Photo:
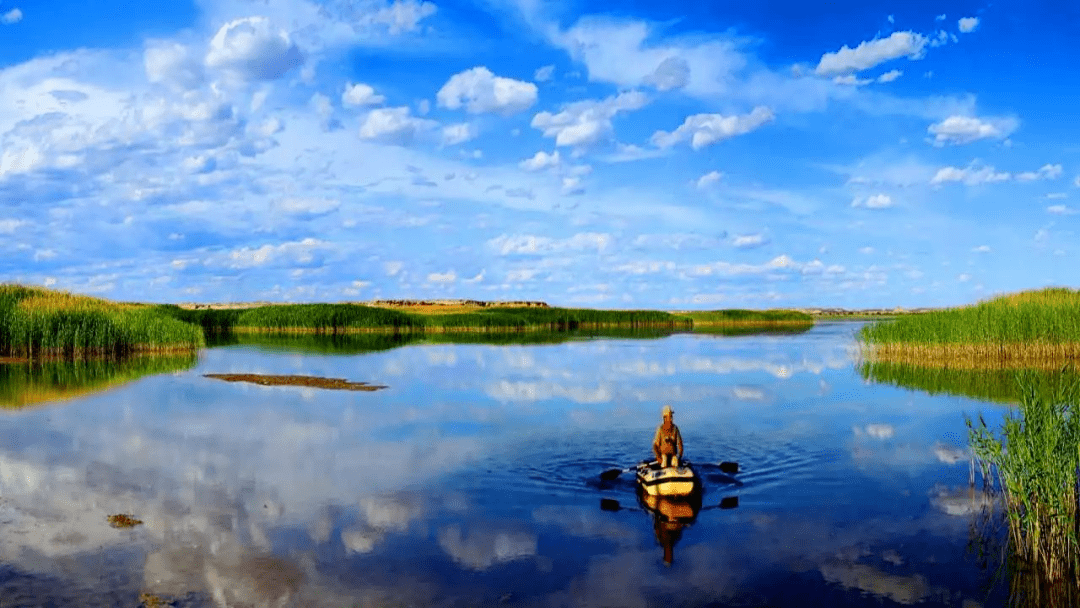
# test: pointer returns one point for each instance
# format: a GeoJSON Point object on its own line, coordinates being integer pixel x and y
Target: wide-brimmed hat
{"type": "Point", "coordinates": [668, 410]}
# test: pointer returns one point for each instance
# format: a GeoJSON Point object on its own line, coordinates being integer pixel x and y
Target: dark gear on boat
{"type": "Point", "coordinates": [667, 444]}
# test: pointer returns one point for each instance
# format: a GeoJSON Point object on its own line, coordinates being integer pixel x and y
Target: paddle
{"type": "Point", "coordinates": [612, 474]}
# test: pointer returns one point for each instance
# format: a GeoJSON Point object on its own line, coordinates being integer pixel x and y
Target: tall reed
{"type": "Point", "coordinates": [1035, 460]}
{"type": "Point", "coordinates": [37, 323]}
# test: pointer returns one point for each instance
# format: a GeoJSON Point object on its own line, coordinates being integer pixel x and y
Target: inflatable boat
{"type": "Point", "coordinates": [669, 481]}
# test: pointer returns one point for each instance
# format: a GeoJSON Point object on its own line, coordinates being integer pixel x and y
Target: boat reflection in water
{"type": "Point", "coordinates": [671, 515]}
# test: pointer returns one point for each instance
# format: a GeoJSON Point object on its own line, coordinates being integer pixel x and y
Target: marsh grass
{"type": "Point", "coordinates": [736, 317]}
{"type": "Point", "coordinates": [1035, 461]}
{"type": "Point", "coordinates": [1016, 330]}
{"type": "Point", "coordinates": [39, 323]}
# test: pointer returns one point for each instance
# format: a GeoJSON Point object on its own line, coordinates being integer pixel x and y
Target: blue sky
{"type": "Point", "coordinates": [677, 155]}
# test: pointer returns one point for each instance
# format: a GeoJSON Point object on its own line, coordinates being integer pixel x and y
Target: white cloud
{"type": "Point", "coordinates": [392, 268]}
{"type": "Point", "coordinates": [584, 123]}
{"type": "Point", "coordinates": [393, 125]}
{"type": "Point", "coordinates": [1060, 210]}
{"type": "Point", "coordinates": [172, 64]}
{"type": "Point", "coordinates": [307, 206]}
{"type": "Point", "coordinates": [866, 250]}
{"type": "Point", "coordinates": [966, 129]}
{"type": "Point", "coordinates": [707, 129]}
{"type": "Point", "coordinates": [360, 95]}
{"type": "Point", "coordinates": [852, 80]}
{"type": "Point", "coordinates": [940, 17]}
{"type": "Point", "coordinates": [479, 91]}
{"type": "Point", "coordinates": [404, 16]}
{"type": "Point", "coordinates": [890, 76]}
{"type": "Point", "coordinates": [971, 175]}
{"type": "Point", "coordinates": [967, 24]}
{"type": "Point", "coordinates": [749, 241]}
{"type": "Point", "coordinates": [476, 279]}
{"type": "Point", "coordinates": [876, 201]}
{"type": "Point", "coordinates": [458, 133]}
{"type": "Point", "coordinates": [540, 160]}
{"type": "Point", "coordinates": [672, 73]}
{"type": "Point", "coordinates": [871, 53]}
{"type": "Point", "coordinates": [13, 16]}
{"type": "Point", "coordinates": [963, 277]}
{"type": "Point", "coordinates": [251, 257]}
{"type": "Point", "coordinates": [544, 74]}
{"type": "Point", "coordinates": [1056, 195]}
{"type": "Point", "coordinates": [709, 179]}
{"type": "Point", "coordinates": [252, 49]}
{"type": "Point", "coordinates": [527, 244]}
{"type": "Point", "coordinates": [445, 277]}
{"type": "Point", "coordinates": [9, 226]}
{"type": "Point", "coordinates": [572, 185]}
{"type": "Point", "coordinates": [981, 249]}
{"type": "Point", "coordinates": [1076, 181]}
{"type": "Point", "coordinates": [629, 152]}
{"type": "Point", "coordinates": [1044, 172]}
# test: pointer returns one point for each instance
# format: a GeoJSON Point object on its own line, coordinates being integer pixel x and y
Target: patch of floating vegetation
{"type": "Point", "coordinates": [1024, 330]}
{"type": "Point", "coordinates": [306, 381]}
{"type": "Point", "coordinates": [1034, 462]}
{"type": "Point", "coordinates": [25, 383]}
{"type": "Point", "coordinates": [40, 323]}
{"type": "Point", "coordinates": [123, 520]}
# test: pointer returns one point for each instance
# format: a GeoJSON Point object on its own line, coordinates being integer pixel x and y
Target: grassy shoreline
{"type": "Point", "coordinates": [42, 324]}
{"type": "Point", "coordinates": [1032, 328]}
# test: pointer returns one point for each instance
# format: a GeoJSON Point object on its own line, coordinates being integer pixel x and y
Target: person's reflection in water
{"type": "Point", "coordinates": [670, 517]}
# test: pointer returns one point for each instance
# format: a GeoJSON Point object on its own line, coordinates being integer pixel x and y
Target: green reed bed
{"type": "Point", "coordinates": [38, 323]}
{"type": "Point", "coordinates": [1035, 460]}
{"type": "Point", "coordinates": [325, 317]}
{"type": "Point", "coordinates": [1043, 324]}
{"type": "Point", "coordinates": [736, 316]}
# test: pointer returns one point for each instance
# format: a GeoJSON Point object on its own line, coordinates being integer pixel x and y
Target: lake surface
{"type": "Point", "coordinates": [472, 480]}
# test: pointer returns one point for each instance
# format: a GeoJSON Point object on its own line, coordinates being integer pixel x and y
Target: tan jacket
{"type": "Point", "coordinates": [668, 441]}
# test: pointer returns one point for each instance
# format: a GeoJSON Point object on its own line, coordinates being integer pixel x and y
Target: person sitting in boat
{"type": "Point", "coordinates": [667, 444]}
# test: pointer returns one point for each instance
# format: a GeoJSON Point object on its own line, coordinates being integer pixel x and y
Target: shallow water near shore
{"type": "Point", "coordinates": [473, 480]}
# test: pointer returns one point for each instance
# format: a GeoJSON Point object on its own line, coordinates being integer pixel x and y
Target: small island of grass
{"type": "Point", "coordinates": [1030, 329]}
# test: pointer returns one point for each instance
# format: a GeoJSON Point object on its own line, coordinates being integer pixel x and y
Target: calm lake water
{"type": "Point", "coordinates": [472, 480]}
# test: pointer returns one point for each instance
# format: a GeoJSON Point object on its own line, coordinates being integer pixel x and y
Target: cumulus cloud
{"type": "Point", "coordinates": [302, 252]}
{"type": "Point", "coordinates": [540, 160]}
{"type": "Point", "coordinates": [442, 277]}
{"type": "Point", "coordinates": [392, 267]}
{"type": "Point", "coordinates": [890, 76]}
{"type": "Point", "coordinates": [876, 201]}
{"type": "Point", "coordinates": [360, 95]}
{"type": "Point", "coordinates": [967, 24]}
{"type": "Point", "coordinates": [479, 91]}
{"type": "Point", "coordinates": [1044, 172]}
{"type": "Point", "coordinates": [527, 244]}
{"type": "Point", "coordinates": [252, 49]}
{"type": "Point", "coordinates": [404, 16]}
{"type": "Point", "coordinates": [172, 64]}
{"type": "Point", "coordinates": [13, 16]}
{"type": "Point", "coordinates": [585, 123]}
{"type": "Point", "coordinates": [572, 185]}
{"type": "Point", "coordinates": [458, 133]}
{"type": "Point", "coordinates": [749, 241]}
{"type": "Point", "coordinates": [966, 129]}
{"type": "Point", "coordinates": [544, 74]}
{"type": "Point", "coordinates": [1060, 210]}
{"type": "Point", "coordinates": [981, 249]}
{"type": "Point", "coordinates": [9, 226]}
{"type": "Point", "coordinates": [706, 129]}
{"type": "Point", "coordinates": [672, 73]}
{"type": "Point", "coordinates": [971, 175]}
{"type": "Point", "coordinates": [393, 125]}
{"type": "Point", "coordinates": [871, 53]}
{"type": "Point", "coordinates": [709, 179]}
